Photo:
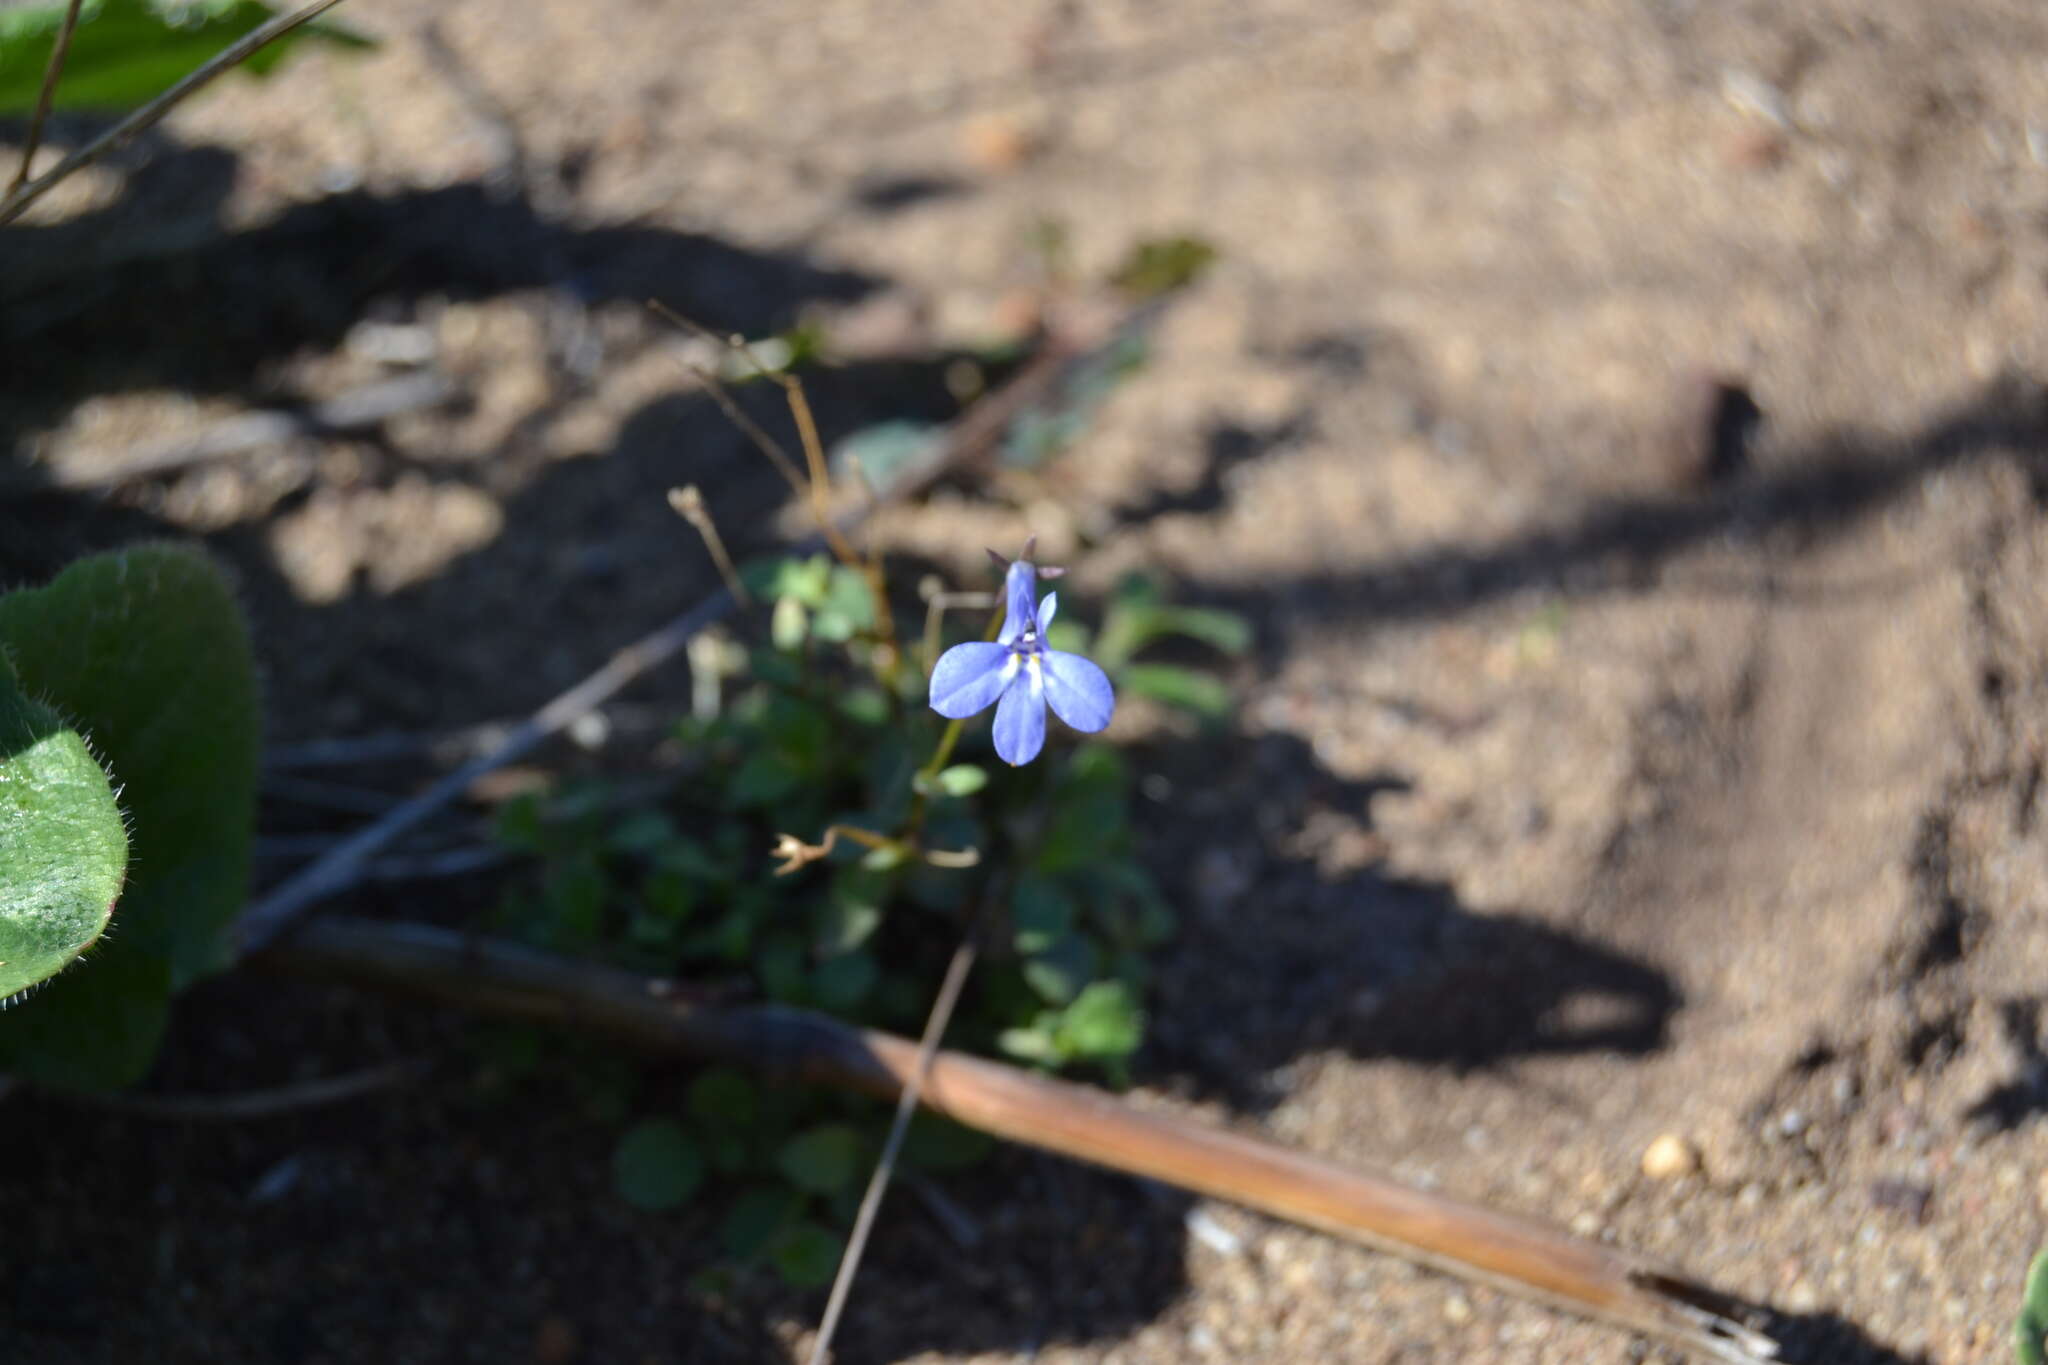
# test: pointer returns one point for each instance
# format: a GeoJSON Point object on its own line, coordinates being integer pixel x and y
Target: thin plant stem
{"type": "Point", "coordinates": [944, 751]}
{"type": "Point", "coordinates": [807, 489]}
{"type": "Point", "coordinates": [59, 50]}
{"type": "Point", "coordinates": [17, 200]}
{"type": "Point", "coordinates": [906, 1105]}
{"type": "Point", "coordinates": [766, 444]}
{"type": "Point", "coordinates": [816, 489]}
{"type": "Point", "coordinates": [689, 505]}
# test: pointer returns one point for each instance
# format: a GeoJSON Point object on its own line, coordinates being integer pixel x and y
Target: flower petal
{"type": "Point", "coordinates": [969, 677]}
{"type": "Point", "coordinates": [1047, 609]}
{"type": "Point", "coordinates": [1019, 583]}
{"type": "Point", "coordinates": [1079, 691]}
{"type": "Point", "coordinates": [1020, 723]}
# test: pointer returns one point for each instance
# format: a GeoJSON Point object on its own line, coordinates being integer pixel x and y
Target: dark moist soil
{"type": "Point", "coordinates": [1622, 421]}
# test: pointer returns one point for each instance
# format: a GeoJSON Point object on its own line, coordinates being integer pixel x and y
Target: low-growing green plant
{"type": "Point", "coordinates": [814, 730]}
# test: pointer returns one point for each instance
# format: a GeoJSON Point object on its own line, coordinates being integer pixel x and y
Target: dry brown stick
{"type": "Point", "coordinates": [59, 50]}
{"type": "Point", "coordinates": [1514, 1254]}
{"type": "Point", "coordinates": [20, 197]}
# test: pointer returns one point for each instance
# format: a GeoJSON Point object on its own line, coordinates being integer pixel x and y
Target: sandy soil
{"type": "Point", "coordinates": [1623, 420]}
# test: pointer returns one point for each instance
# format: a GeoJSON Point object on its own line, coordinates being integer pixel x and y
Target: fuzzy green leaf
{"type": "Point", "coordinates": [63, 851]}
{"type": "Point", "coordinates": [2030, 1333]}
{"type": "Point", "coordinates": [145, 650]}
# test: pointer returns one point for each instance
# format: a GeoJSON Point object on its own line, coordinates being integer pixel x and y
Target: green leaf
{"type": "Point", "coordinates": [757, 1218]}
{"type": "Point", "coordinates": [1103, 1023]}
{"type": "Point", "coordinates": [853, 911]}
{"type": "Point", "coordinates": [803, 579]}
{"type": "Point", "coordinates": [643, 832]}
{"type": "Point", "coordinates": [1164, 265]}
{"type": "Point", "coordinates": [1223, 631]}
{"type": "Point", "coordinates": [851, 597]}
{"type": "Point", "coordinates": [962, 779]}
{"type": "Point", "coordinates": [519, 825]}
{"type": "Point", "coordinates": [63, 851]}
{"type": "Point", "coordinates": [94, 1028]}
{"type": "Point", "coordinates": [824, 1159]}
{"type": "Point", "coordinates": [1070, 636]}
{"type": "Point", "coordinates": [780, 967]}
{"type": "Point", "coordinates": [1200, 693]}
{"type": "Point", "coordinates": [1138, 615]}
{"type": "Point", "coordinates": [145, 651]}
{"type": "Point", "coordinates": [1059, 971]}
{"type": "Point", "coordinates": [576, 893]}
{"type": "Point", "coordinates": [127, 52]}
{"type": "Point", "coordinates": [788, 624]}
{"type": "Point", "coordinates": [656, 1166]}
{"type": "Point", "coordinates": [867, 705]}
{"type": "Point", "coordinates": [939, 1144]}
{"type": "Point", "coordinates": [720, 1098]}
{"type": "Point", "coordinates": [1035, 1044]}
{"type": "Point", "coordinates": [2030, 1332]}
{"type": "Point", "coordinates": [669, 895]}
{"type": "Point", "coordinates": [1040, 912]}
{"type": "Point", "coordinates": [807, 1255]}
{"type": "Point", "coordinates": [840, 983]}
{"type": "Point", "coordinates": [886, 450]}
{"type": "Point", "coordinates": [763, 779]}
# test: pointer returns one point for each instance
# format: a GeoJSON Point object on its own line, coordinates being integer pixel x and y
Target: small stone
{"type": "Point", "coordinates": [1457, 1310]}
{"type": "Point", "coordinates": [996, 143]}
{"type": "Point", "coordinates": [1586, 1224]}
{"type": "Point", "coordinates": [1670, 1157]}
{"type": "Point", "coordinates": [1801, 1298]}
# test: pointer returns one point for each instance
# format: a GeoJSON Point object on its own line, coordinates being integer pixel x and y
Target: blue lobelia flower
{"type": "Point", "coordinates": [1020, 675]}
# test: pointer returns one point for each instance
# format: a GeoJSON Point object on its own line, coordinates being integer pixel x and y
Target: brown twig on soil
{"type": "Point", "coordinates": [1517, 1255]}
{"type": "Point", "coordinates": [264, 920]}
{"type": "Point", "coordinates": [258, 1104]}
{"type": "Point", "coordinates": [17, 200]}
{"type": "Point", "coordinates": [59, 50]}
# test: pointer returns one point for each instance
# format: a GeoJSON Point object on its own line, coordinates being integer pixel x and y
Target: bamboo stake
{"type": "Point", "coordinates": [1517, 1255]}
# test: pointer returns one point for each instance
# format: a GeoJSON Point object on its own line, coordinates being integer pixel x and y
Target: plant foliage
{"type": "Point", "coordinates": [146, 654]}
{"type": "Point", "coordinates": [127, 52]}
